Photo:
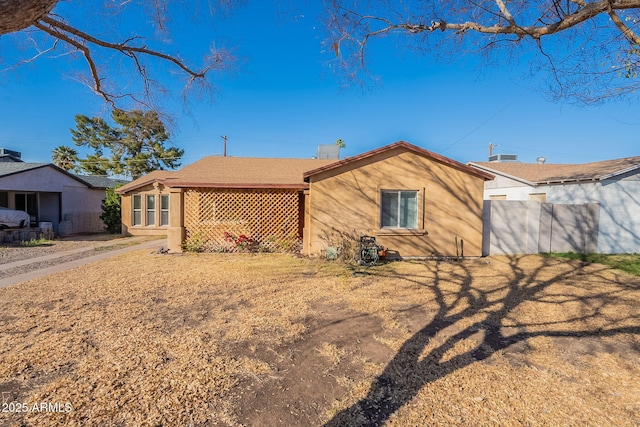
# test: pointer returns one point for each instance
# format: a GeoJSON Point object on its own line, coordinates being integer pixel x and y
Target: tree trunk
{"type": "Point", "coordinates": [16, 15]}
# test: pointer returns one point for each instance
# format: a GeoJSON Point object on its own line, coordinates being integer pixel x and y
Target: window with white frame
{"type": "Point", "coordinates": [164, 209]}
{"type": "Point", "coordinates": [399, 209]}
{"type": "Point", "coordinates": [137, 209]}
{"type": "Point", "coordinates": [151, 209]}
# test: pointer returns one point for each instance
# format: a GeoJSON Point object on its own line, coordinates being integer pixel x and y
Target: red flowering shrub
{"type": "Point", "coordinates": [241, 242]}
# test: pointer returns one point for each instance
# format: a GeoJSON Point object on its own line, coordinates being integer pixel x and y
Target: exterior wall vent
{"type": "Point", "coordinates": [503, 158]}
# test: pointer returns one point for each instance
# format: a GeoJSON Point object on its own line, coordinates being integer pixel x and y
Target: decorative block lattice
{"type": "Point", "coordinates": [216, 219]}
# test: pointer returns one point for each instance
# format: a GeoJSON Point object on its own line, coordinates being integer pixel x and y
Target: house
{"type": "Point", "coordinates": [198, 204]}
{"type": "Point", "coordinates": [611, 188]}
{"type": "Point", "coordinates": [417, 203]}
{"type": "Point", "coordinates": [49, 194]}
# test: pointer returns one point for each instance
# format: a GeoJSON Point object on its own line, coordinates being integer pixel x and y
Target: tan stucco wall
{"type": "Point", "coordinates": [176, 231]}
{"type": "Point", "coordinates": [125, 212]}
{"type": "Point", "coordinates": [144, 229]}
{"type": "Point", "coordinates": [348, 199]}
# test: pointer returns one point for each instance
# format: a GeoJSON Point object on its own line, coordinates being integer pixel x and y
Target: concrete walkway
{"type": "Point", "coordinates": [34, 274]}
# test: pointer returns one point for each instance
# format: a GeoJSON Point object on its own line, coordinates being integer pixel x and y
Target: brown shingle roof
{"type": "Point", "coordinates": [544, 173]}
{"type": "Point", "coordinates": [234, 172]}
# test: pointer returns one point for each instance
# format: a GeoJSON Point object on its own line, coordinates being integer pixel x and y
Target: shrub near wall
{"type": "Point", "coordinates": [111, 212]}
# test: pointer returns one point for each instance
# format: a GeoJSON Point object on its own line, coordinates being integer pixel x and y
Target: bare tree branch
{"type": "Point", "coordinates": [505, 12]}
{"type": "Point", "coordinates": [625, 30]}
{"type": "Point", "coordinates": [585, 13]}
{"type": "Point", "coordinates": [596, 36]}
{"type": "Point", "coordinates": [87, 55]}
{"type": "Point", "coordinates": [37, 17]}
{"type": "Point", "coordinates": [36, 56]}
{"type": "Point", "coordinates": [122, 47]}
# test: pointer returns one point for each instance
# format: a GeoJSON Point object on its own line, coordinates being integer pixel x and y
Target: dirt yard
{"type": "Point", "coordinates": [269, 340]}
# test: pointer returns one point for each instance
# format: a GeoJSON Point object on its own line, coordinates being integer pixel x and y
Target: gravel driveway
{"type": "Point", "coordinates": [16, 259]}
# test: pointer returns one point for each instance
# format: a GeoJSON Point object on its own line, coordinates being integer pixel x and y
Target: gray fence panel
{"type": "Point", "coordinates": [486, 228]}
{"type": "Point", "coordinates": [567, 233]}
{"type": "Point", "coordinates": [508, 227]}
{"type": "Point", "coordinates": [574, 228]}
{"type": "Point", "coordinates": [525, 227]}
{"type": "Point", "coordinates": [591, 241]}
{"type": "Point", "coordinates": [546, 223]}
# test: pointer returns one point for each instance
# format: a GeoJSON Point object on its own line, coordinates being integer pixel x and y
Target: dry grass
{"type": "Point", "coordinates": [332, 352]}
{"type": "Point", "coordinates": [202, 339]}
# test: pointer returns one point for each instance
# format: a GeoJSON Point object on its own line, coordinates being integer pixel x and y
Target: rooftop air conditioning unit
{"type": "Point", "coordinates": [5, 152]}
{"type": "Point", "coordinates": [328, 151]}
{"type": "Point", "coordinates": [503, 158]}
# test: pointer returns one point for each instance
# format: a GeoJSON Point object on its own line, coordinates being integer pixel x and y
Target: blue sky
{"type": "Point", "coordinates": [281, 99]}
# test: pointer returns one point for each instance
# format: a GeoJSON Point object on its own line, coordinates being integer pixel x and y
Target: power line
{"type": "Point", "coordinates": [486, 121]}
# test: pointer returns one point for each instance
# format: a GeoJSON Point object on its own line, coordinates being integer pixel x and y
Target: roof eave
{"type": "Point", "coordinates": [620, 172]}
{"type": "Point", "coordinates": [191, 184]}
{"type": "Point", "coordinates": [124, 189]}
{"type": "Point", "coordinates": [567, 181]}
{"type": "Point", "coordinates": [221, 185]}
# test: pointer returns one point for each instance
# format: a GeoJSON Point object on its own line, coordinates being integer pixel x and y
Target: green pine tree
{"type": "Point", "coordinates": [136, 145]}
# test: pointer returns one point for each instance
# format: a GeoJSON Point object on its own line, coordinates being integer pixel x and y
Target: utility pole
{"type": "Point", "coordinates": [491, 147]}
{"type": "Point", "coordinates": [224, 147]}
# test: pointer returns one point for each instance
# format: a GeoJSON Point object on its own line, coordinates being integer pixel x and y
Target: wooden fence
{"type": "Point", "coordinates": [237, 220]}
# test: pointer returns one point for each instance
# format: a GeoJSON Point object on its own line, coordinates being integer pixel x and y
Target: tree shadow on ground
{"type": "Point", "coordinates": [488, 316]}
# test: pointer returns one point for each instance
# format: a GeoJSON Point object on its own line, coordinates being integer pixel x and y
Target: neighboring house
{"type": "Point", "coordinates": [614, 185]}
{"type": "Point", "coordinates": [71, 203]}
{"type": "Point", "coordinates": [84, 217]}
{"type": "Point", "coordinates": [417, 203]}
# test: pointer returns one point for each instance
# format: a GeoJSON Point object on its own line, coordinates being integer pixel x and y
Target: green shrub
{"type": "Point", "coordinates": [195, 243]}
{"type": "Point", "coordinates": [112, 212]}
{"type": "Point", "coordinates": [36, 242]}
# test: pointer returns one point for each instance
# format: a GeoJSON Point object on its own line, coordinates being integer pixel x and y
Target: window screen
{"type": "Point", "coordinates": [399, 209]}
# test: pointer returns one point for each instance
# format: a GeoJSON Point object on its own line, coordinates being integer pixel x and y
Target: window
{"type": "Point", "coordinates": [151, 209]}
{"type": "Point", "coordinates": [27, 202]}
{"type": "Point", "coordinates": [538, 197]}
{"type": "Point", "coordinates": [137, 209]}
{"type": "Point", "coordinates": [498, 197]}
{"type": "Point", "coordinates": [164, 210]}
{"type": "Point", "coordinates": [399, 209]}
